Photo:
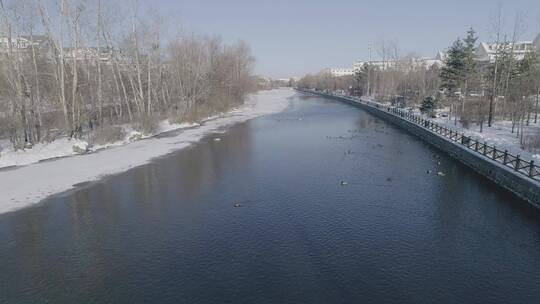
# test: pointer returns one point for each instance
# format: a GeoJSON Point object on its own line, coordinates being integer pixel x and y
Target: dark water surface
{"type": "Point", "coordinates": [167, 232]}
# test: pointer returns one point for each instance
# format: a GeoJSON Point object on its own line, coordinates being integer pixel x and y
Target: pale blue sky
{"type": "Point", "coordinates": [291, 38]}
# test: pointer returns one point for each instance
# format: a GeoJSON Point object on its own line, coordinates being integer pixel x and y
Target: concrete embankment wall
{"type": "Point", "coordinates": [522, 186]}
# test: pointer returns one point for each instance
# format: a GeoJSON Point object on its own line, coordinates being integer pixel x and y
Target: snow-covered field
{"type": "Point", "coordinates": [28, 185]}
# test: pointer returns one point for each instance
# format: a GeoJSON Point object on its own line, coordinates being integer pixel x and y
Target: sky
{"type": "Point", "coordinates": [295, 37]}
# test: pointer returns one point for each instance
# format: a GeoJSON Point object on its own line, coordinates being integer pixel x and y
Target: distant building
{"type": "Point", "coordinates": [380, 64]}
{"type": "Point", "coordinates": [340, 72]}
{"type": "Point", "coordinates": [105, 55]}
{"type": "Point", "coordinates": [24, 44]}
{"type": "Point", "coordinates": [41, 44]}
{"type": "Point", "coordinates": [403, 63]}
{"type": "Point", "coordinates": [488, 51]}
{"type": "Point", "coordinates": [89, 53]}
{"type": "Point", "coordinates": [441, 56]}
{"type": "Point", "coordinates": [294, 78]}
{"type": "Point", "coordinates": [430, 62]}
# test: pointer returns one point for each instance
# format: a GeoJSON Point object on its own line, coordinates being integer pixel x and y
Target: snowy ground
{"type": "Point", "coordinates": [27, 185]}
{"type": "Point", "coordinates": [499, 135]}
{"type": "Point", "coordinates": [63, 147]}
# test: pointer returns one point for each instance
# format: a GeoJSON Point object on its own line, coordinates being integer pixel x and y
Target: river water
{"type": "Point", "coordinates": [322, 203]}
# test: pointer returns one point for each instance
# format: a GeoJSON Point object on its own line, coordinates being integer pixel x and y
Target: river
{"type": "Point", "coordinates": [321, 203]}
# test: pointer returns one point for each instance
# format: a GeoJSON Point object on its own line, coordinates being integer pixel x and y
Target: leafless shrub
{"type": "Point", "coordinates": [106, 134]}
{"type": "Point", "coordinates": [531, 143]}
{"type": "Point", "coordinates": [147, 125]}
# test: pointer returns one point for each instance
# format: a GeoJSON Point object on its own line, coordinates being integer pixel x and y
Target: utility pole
{"type": "Point", "coordinates": [369, 70]}
{"type": "Point", "coordinates": [536, 107]}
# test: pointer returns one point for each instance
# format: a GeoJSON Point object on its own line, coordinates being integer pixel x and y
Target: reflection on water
{"type": "Point", "coordinates": [393, 231]}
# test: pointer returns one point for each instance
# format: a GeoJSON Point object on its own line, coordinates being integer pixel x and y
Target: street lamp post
{"type": "Point", "coordinates": [369, 71]}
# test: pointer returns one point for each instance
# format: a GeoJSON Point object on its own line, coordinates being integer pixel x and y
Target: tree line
{"type": "Point", "coordinates": [77, 68]}
{"type": "Point", "coordinates": [507, 87]}
{"type": "Point", "coordinates": [403, 78]}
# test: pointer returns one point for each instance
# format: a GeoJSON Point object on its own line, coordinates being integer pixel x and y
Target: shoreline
{"type": "Point", "coordinates": [27, 185]}
{"type": "Point", "coordinates": [515, 181]}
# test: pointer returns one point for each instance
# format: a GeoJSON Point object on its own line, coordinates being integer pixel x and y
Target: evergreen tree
{"type": "Point", "coordinates": [453, 73]}
{"type": "Point", "coordinates": [454, 70]}
{"type": "Point", "coordinates": [526, 67]}
{"type": "Point", "coordinates": [428, 105]}
{"type": "Point", "coordinates": [358, 77]}
{"type": "Point", "coordinates": [470, 66]}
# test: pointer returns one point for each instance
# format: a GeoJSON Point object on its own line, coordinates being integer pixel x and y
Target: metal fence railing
{"type": "Point", "coordinates": [514, 162]}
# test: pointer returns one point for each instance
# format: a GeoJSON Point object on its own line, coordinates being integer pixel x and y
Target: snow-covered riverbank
{"type": "Point", "coordinates": [28, 185]}
{"type": "Point", "coordinates": [64, 147]}
{"type": "Point", "coordinates": [499, 135]}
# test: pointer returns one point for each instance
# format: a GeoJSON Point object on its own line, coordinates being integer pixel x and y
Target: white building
{"type": "Point", "coordinates": [104, 55]}
{"type": "Point", "coordinates": [429, 62]}
{"type": "Point", "coordinates": [485, 52]}
{"type": "Point", "coordinates": [441, 56]}
{"type": "Point", "coordinates": [382, 65]}
{"type": "Point", "coordinates": [488, 51]}
{"type": "Point", "coordinates": [23, 43]}
{"type": "Point", "coordinates": [403, 64]}
{"type": "Point", "coordinates": [340, 72]}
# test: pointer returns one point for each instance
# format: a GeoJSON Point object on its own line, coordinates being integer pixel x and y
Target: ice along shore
{"type": "Point", "coordinates": [25, 186]}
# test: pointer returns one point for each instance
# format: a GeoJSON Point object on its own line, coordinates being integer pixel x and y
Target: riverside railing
{"type": "Point", "coordinates": [514, 162]}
